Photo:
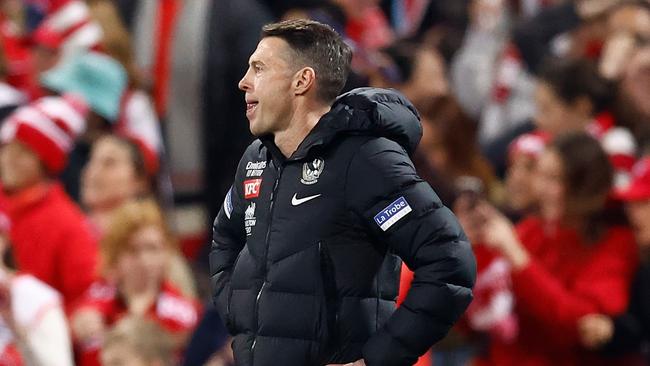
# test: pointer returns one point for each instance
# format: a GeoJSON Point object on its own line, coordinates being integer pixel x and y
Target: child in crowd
{"type": "Point", "coordinates": [136, 341]}
{"type": "Point", "coordinates": [135, 254]}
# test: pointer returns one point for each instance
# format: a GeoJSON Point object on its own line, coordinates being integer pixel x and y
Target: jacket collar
{"type": "Point", "coordinates": [362, 111]}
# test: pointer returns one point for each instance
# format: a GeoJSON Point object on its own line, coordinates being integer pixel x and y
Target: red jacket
{"type": "Point", "coordinates": [565, 280]}
{"type": "Point", "coordinates": [52, 240]}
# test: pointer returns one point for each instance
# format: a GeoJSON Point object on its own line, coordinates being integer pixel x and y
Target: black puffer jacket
{"type": "Point", "coordinates": [305, 261]}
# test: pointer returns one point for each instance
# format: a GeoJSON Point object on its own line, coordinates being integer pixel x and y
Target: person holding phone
{"type": "Point", "coordinates": [570, 260]}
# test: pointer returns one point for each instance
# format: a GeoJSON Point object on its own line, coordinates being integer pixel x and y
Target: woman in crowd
{"type": "Point", "coordinates": [569, 261]}
{"type": "Point", "coordinates": [523, 155]}
{"type": "Point", "coordinates": [117, 172]}
{"type": "Point", "coordinates": [491, 312]}
{"type": "Point", "coordinates": [629, 333]}
{"type": "Point", "coordinates": [135, 254]}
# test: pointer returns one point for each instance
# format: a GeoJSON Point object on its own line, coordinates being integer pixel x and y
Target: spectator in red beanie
{"type": "Point", "coordinates": [569, 261]}
{"type": "Point", "coordinates": [50, 235]}
{"type": "Point", "coordinates": [65, 32]}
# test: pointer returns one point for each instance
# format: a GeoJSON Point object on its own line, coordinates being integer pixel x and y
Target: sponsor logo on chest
{"type": "Point", "coordinates": [249, 218]}
{"type": "Point", "coordinates": [252, 188]}
{"type": "Point", "coordinates": [255, 169]}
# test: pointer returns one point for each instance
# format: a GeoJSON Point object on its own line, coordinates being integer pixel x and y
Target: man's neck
{"type": "Point", "coordinates": [302, 122]}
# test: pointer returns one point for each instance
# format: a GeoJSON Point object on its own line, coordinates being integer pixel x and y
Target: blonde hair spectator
{"type": "Point", "coordinates": [127, 220]}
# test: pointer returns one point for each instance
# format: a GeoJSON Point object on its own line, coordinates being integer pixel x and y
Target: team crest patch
{"type": "Point", "coordinates": [392, 213]}
{"type": "Point", "coordinates": [252, 188]}
{"type": "Point", "coordinates": [312, 171]}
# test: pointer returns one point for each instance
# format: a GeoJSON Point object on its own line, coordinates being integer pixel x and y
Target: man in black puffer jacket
{"type": "Point", "coordinates": [305, 259]}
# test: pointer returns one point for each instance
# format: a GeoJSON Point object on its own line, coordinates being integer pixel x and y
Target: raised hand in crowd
{"type": "Point", "coordinates": [499, 234]}
{"type": "Point", "coordinates": [595, 330]}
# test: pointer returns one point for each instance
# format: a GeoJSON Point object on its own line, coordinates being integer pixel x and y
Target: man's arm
{"type": "Point", "coordinates": [228, 239]}
{"type": "Point", "coordinates": [403, 212]}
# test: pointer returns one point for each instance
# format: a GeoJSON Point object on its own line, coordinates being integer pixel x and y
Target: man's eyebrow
{"type": "Point", "coordinates": [256, 63]}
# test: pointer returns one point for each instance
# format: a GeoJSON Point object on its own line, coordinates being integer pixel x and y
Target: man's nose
{"type": "Point", "coordinates": [244, 84]}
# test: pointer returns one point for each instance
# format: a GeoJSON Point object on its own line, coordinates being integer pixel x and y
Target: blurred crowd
{"type": "Point", "coordinates": [121, 127]}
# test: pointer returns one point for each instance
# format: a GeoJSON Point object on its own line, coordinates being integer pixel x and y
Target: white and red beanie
{"type": "Point", "coordinates": [619, 144]}
{"type": "Point", "coordinates": [529, 144]}
{"type": "Point", "coordinates": [70, 29]}
{"type": "Point", "coordinates": [139, 124]}
{"type": "Point", "coordinates": [49, 126]}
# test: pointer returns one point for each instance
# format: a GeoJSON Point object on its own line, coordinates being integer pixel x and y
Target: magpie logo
{"type": "Point", "coordinates": [312, 171]}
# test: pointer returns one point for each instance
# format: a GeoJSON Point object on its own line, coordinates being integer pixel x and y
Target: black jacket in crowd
{"type": "Point", "coordinates": [632, 329]}
{"type": "Point", "coordinates": [305, 255]}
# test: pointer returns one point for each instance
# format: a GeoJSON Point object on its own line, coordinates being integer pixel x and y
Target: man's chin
{"type": "Point", "coordinates": [256, 131]}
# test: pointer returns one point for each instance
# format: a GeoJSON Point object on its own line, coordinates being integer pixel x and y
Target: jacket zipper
{"type": "Point", "coordinates": [266, 255]}
{"type": "Point", "coordinates": [331, 297]}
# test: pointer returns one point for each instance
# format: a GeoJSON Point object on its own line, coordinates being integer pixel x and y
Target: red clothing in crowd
{"type": "Point", "coordinates": [52, 240]}
{"type": "Point", "coordinates": [172, 311]}
{"type": "Point", "coordinates": [492, 310]}
{"type": "Point", "coordinates": [566, 279]}
{"type": "Point", "coordinates": [16, 54]}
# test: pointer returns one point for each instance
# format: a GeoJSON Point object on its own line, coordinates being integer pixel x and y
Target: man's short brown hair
{"type": "Point", "coordinates": [318, 46]}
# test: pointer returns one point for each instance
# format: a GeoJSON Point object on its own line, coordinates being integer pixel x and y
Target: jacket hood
{"type": "Point", "coordinates": [367, 112]}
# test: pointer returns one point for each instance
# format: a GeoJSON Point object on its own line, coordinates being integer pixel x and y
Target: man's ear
{"type": "Point", "coordinates": [304, 80]}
